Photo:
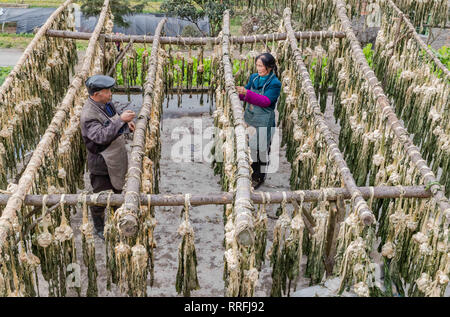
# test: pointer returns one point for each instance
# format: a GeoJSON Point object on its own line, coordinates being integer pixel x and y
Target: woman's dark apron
{"type": "Point", "coordinates": [263, 119]}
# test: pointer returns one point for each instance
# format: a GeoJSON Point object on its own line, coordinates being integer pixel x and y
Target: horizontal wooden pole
{"type": "Point", "coordinates": [223, 198]}
{"type": "Point", "coordinates": [193, 90]}
{"type": "Point", "coordinates": [197, 40]}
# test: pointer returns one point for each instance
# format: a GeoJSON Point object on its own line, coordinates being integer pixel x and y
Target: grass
{"type": "Point", "coordinates": [235, 25]}
{"type": "Point", "coordinates": [4, 71]}
{"type": "Point", "coordinates": [21, 41]}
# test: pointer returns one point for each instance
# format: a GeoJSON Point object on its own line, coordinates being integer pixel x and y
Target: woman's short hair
{"type": "Point", "coordinates": [268, 61]}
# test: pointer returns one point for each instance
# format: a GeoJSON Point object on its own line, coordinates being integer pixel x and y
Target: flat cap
{"type": "Point", "coordinates": [99, 82]}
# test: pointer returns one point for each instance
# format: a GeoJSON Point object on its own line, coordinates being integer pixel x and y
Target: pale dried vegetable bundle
{"type": "Point", "coordinates": [187, 279]}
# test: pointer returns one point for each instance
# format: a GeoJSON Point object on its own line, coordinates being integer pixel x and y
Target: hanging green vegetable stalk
{"type": "Point", "coordinates": [428, 254]}
{"type": "Point", "coordinates": [277, 253]}
{"type": "Point", "coordinates": [87, 239]}
{"type": "Point", "coordinates": [47, 250]}
{"type": "Point", "coordinates": [32, 90]}
{"type": "Point", "coordinates": [144, 66]}
{"type": "Point", "coordinates": [28, 270]}
{"type": "Point", "coordinates": [71, 151]}
{"type": "Point", "coordinates": [431, 12]}
{"type": "Point", "coordinates": [64, 236]}
{"type": "Point", "coordinates": [139, 270]}
{"type": "Point", "coordinates": [232, 272]}
{"type": "Point", "coordinates": [187, 279]}
{"type": "Point", "coordinates": [294, 247]}
{"type": "Point", "coordinates": [110, 47]}
{"type": "Point", "coordinates": [261, 233]}
{"type": "Point", "coordinates": [315, 15]}
{"type": "Point", "coordinates": [122, 253]}
{"type": "Point", "coordinates": [149, 237]}
{"type": "Point", "coordinates": [421, 94]}
{"type": "Point", "coordinates": [111, 233]}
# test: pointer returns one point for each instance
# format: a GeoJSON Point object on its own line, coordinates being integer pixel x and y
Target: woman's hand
{"type": "Point", "coordinates": [241, 90]}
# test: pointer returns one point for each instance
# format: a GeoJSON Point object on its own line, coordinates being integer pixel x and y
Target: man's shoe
{"type": "Point", "coordinates": [99, 234]}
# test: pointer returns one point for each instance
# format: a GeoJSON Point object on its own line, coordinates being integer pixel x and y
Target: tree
{"type": "Point", "coordinates": [194, 10]}
{"type": "Point", "coordinates": [119, 9]}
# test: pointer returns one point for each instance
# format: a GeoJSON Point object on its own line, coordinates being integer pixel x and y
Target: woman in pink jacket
{"type": "Point", "coordinates": [260, 95]}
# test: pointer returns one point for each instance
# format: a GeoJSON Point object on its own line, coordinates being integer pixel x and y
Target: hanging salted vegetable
{"type": "Point", "coordinates": [47, 250]}
{"type": "Point", "coordinates": [420, 93]}
{"type": "Point", "coordinates": [110, 47]}
{"type": "Point", "coordinates": [189, 72]}
{"type": "Point", "coordinates": [32, 90]}
{"type": "Point", "coordinates": [380, 158]}
{"type": "Point", "coordinates": [277, 252]}
{"type": "Point", "coordinates": [144, 66]}
{"type": "Point", "coordinates": [200, 73]}
{"type": "Point", "coordinates": [111, 234]}
{"type": "Point", "coordinates": [187, 279]}
{"type": "Point", "coordinates": [294, 246]}
{"type": "Point", "coordinates": [87, 239]}
{"type": "Point", "coordinates": [431, 12]}
{"type": "Point", "coordinates": [261, 233]}
{"type": "Point", "coordinates": [64, 236]}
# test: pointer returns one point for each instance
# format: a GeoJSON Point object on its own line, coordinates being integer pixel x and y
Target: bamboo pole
{"type": "Point", "coordinates": [412, 31]}
{"type": "Point", "coordinates": [26, 181]}
{"type": "Point", "coordinates": [359, 205]}
{"type": "Point", "coordinates": [128, 222]}
{"type": "Point", "coordinates": [242, 205]}
{"type": "Point", "coordinates": [312, 35]}
{"type": "Point", "coordinates": [223, 198]}
{"type": "Point", "coordinates": [26, 54]}
{"type": "Point", "coordinates": [383, 103]}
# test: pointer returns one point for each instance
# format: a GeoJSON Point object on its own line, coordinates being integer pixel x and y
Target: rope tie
{"type": "Point", "coordinates": [108, 200]}
{"type": "Point", "coordinates": [268, 197]}
{"type": "Point", "coordinates": [263, 197]}
{"type": "Point", "coordinates": [372, 194]}
{"type": "Point", "coordinates": [134, 167]}
{"type": "Point", "coordinates": [402, 190]}
{"type": "Point", "coordinates": [283, 203]}
{"type": "Point", "coordinates": [44, 205]}
{"type": "Point", "coordinates": [187, 205]}
{"type": "Point", "coordinates": [149, 201]}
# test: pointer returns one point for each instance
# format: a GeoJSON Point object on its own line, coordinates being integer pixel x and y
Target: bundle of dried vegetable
{"type": "Point", "coordinates": [33, 89]}
{"type": "Point", "coordinates": [369, 127]}
{"type": "Point", "coordinates": [431, 12]}
{"type": "Point", "coordinates": [87, 240]}
{"type": "Point", "coordinates": [187, 279]}
{"type": "Point", "coordinates": [421, 95]}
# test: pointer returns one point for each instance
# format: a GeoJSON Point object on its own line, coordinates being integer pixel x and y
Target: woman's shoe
{"type": "Point", "coordinates": [257, 183]}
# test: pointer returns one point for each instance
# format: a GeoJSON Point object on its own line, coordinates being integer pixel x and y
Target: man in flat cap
{"type": "Point", "coordinates": [102, 129]}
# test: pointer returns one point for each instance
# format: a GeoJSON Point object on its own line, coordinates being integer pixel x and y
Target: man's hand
{"type": "Point", "coordinates": [241, 90]}
{"type": "Point", "coordinates": [132, 126]}
{"type": "Point", "coordinates": [127, 115]}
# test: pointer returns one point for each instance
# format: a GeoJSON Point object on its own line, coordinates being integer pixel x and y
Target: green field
{"type": "Point", "coordinates": [4, 71]}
